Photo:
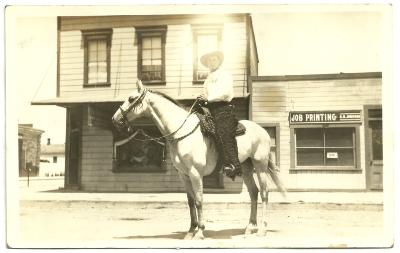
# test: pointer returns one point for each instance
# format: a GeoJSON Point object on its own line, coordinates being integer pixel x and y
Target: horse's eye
{"type": "Point", "coordinates": [131, 99]}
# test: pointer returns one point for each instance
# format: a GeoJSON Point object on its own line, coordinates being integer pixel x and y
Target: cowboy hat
{"type": "Point", "coordinates": [217, 53]}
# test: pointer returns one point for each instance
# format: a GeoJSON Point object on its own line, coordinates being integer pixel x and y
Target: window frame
{"type": "Point", "coordinates": [277, 139]}
{"type": "Point", "coordinates": [149, 31]}
{"type": "Point", "coordinates": [356, 145]}
{"type": "Point", "coordinates": [213, 29]}
{"type": "Point", "coordinates": [88, 35]}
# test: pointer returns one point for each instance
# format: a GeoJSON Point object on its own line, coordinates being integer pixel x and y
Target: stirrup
{"type": "Point", "coordinates": [230, 171]}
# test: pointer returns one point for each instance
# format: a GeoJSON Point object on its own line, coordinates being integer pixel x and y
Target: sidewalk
{"type": "Point", "coordinates": [27, 194]}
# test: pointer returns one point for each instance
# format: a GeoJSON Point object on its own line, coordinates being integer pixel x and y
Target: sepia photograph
{"type": "Point", "coordinates": [199, 126]}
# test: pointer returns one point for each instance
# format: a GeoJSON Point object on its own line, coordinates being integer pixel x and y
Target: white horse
{"type": "Point", "coordinates": [195, 156]}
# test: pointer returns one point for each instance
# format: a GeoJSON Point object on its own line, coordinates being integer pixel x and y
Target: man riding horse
{"type": "Point", "coordinates": [194, 156]}
{"type": "Point", "coordinates": [217, 97]}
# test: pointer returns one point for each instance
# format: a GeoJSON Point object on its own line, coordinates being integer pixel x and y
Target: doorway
{"type": "Point", "coordinates": [373, 147]}
{"type": "Point", "coordinates": [73, 147]}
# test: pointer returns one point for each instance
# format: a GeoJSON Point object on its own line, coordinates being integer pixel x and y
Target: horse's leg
{"type": "Point", "coordinates": [248, 179]}
{"type": "Point", "coordinates": [260, 168]}
{"type": "Point", "coordinates": [190, 196]}
{"type": "Point", "coordinates": [197, 184]}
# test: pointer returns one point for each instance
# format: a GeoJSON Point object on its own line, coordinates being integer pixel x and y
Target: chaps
{"type": "Point", "coordinates": [225, 124]}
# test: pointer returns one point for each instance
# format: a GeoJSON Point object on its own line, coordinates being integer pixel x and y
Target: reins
{"type": "Point", "coordinates": [166, 136]}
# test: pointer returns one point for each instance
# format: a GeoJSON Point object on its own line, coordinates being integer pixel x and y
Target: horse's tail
{"type": "Point", "coordinates": [273, 172]}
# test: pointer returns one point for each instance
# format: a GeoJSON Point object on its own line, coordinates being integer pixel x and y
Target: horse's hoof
{"type": "Point", "coordinates": [262, 231]}
{"type": "Point", "coordinates": [189, 236]}
{"type": "Point", "coordinates": [250, 229]}
{"type": "Point", "coordinates": [199, 235]}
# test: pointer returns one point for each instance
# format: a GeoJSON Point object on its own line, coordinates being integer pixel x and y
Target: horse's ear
{"type": "Point", "coordinates": [139, 85]}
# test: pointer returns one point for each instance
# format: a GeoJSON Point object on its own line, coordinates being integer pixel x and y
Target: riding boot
{"type": "Point", "coordinates": [225, 126]}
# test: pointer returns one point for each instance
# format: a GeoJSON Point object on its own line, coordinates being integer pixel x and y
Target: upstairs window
{"type": "Point", "coordinates": [97, 46]}
{"type": "Point", "coordinates": [205, 40]}
{"type": "Point", "coordinates": [151, 54]}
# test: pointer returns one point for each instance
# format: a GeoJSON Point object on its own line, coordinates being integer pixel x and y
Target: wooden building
{"type": "Point", "coordinates": [99, 60]}
{"type": "Point", "coordinates": [328, 128]}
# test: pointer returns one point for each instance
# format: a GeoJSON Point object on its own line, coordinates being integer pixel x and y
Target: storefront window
{"type": "Point", "coordinates": [137, 153]}
{"type": "Point", "coordinates": [325, 146]}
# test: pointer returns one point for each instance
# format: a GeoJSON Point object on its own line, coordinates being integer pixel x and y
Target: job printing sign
{"type": "Point", "coordinates": [325, 117]}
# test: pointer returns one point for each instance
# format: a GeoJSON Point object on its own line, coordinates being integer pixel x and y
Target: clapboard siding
{"type": "Point", "coordinates": [273, 100]}
{"type": "Point", "coordinates": [99, 22]}
{"type": "Point", "coordinates": [178, 52]}
{"type": "Point", "coordinates": [97, 138]}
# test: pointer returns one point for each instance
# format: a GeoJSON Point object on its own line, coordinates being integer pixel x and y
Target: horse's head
{"type": "Point", "coordinates": [134, 107]}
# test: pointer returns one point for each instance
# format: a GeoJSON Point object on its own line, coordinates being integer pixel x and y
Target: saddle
{"type": "Point", "coordinates": [207, 124]}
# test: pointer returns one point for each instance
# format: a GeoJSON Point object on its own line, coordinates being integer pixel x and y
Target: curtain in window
{"type": "Point", "coordinates": [97, 61]}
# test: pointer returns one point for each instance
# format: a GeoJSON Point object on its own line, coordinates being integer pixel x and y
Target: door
{"type": "Point", "coordinates": [74, 133]}
{"type": "Point", "coordinates": [374, 148]}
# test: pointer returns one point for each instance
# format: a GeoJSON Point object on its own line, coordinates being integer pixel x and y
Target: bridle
{"type": "Point", "coordinates": [139, 101]}
{"type": "Point", "coordinates": [133, 105]}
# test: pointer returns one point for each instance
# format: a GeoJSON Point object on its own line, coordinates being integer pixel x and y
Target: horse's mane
{"type": "Point", "coordinates": [168, 98]}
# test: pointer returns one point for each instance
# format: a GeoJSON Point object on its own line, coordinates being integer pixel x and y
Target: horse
{"type": "Point", "coordinates": [195, 156]}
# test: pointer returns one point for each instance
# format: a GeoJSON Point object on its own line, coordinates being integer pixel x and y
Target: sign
{"type": "Point", "coordinates": [332, 155]}
{"type": "Point", "coordinates": [325, 117]}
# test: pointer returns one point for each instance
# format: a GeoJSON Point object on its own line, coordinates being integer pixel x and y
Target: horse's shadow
{"type": "Point", "coordinates": [211, 234]}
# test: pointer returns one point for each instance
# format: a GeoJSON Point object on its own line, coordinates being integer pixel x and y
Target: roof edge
{"type": "Point", "coordinates": [361, 75]}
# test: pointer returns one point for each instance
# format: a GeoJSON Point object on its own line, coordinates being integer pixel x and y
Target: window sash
{"type": "Point", "coordinates": [211, 37]}
{"type": "Point", "coordinates": [317, 155]}
{"type": "Point", "coordinates": [97, 61]}
{"type": "Point", "coordinates": [151, 54]}
{"type": "Point", "coordinates": [97, 47]}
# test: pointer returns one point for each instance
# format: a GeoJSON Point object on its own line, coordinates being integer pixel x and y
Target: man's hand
{"type": "Point", "coordinates": [202, 101]}
{"type": "Point", "coordinates": [201, 98]}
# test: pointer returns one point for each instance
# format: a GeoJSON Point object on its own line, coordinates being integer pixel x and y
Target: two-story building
{"type": "Point", "coordinates": [99, 60]}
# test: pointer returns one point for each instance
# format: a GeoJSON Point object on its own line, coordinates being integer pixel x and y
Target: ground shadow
{"type": "Point", "coordinates": [211, 234]}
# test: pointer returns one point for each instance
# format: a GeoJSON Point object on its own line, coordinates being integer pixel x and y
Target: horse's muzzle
{"type": "Point", "coordinates": [121, 125]}
{"type": "Point", "coordinates": [118, 124]}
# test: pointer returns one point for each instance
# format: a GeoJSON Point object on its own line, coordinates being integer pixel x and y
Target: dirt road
{"type": "Point", "coordinates": [142, 225]}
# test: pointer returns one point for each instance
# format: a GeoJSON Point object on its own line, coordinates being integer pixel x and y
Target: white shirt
{"type": "Point", "coordinates": [218, 86]}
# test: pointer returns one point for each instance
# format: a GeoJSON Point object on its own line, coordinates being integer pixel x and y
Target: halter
{"type": "Point", "coordinates": [169, 136]}
{"type": "Point", "coordinates": [132, 105]}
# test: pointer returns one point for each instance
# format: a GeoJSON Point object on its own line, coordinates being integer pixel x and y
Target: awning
{"type": "Point", "coordinates": [65, 101]}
